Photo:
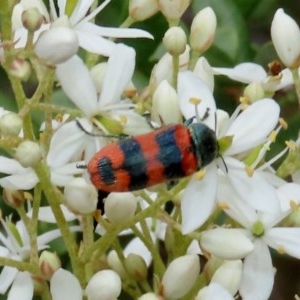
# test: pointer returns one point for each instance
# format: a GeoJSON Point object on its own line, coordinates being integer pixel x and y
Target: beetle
{"type": "Point", "coordinates": [137, 162]}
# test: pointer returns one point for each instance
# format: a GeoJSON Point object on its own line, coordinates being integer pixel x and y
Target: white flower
{"type": "Point", "coordinates": [90, 35]}
{"type": "Point", "coordinates": [69, 141]}
{"type": "Point", "coordinates": [249, 129]}
{"type": "Point", "coordinates": [258, 272]}
{"type": "Point", "coordinates": [251, 72]}
{"type": "Point", "coordinates": [285, 35]}
{"type": "Point", "coordinates": [21, 178]}
{"type": "Point", "coordinates": [16, 245]}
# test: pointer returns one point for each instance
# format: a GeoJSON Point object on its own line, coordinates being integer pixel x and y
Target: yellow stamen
{"type": "Point", "coordinates": [245, 101]}
{"type": "Point", "coordinates": [249, 171]}
{"type": "Point", "coordinates": [291, 145]}
{"type": "Point", "coordinates": [272, 136]}
{"type": "Point", "coordinates": [200, 174]}
{"type": "Point", "coordinates": [293, 205]}
{"type": "Point", "coordinates": [281, 249]}
{"type": "Point", "coordinates": [283, 123]}
{"type": "Point", "coordinates": [195, 101]}
{"type": "Point", "coordinates": [28, 196]}
{"type": "Point", "coordinates": [223, 205]}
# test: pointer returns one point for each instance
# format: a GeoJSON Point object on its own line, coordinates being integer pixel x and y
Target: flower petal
{"type": "Point", "coordinates": [77, 83]}
{"type": "Point", "coordinates": [191, 86]}
{"type": "Point", "coordinates": [67, 141]}
{"type": "Point", "coordinates": [251, 127]}
{"type": "Point", "coordinates": [198, 200]}
{"type": "Point", "coordinates": [25, 181]}
{"type": "Point", "coordinates": [7, 277]}
{"type": "Point", "coordinates": [112, 32]}
{"type": "Point", "coordinates": [244, 72]}
{"type": "Point", "coordinates": [255, 191]}
{"type": "Point", "coordinates": [64, 285]}
{"type": "Point", "coordinates": [285, 240]}
{"type": "Point", "coordinates": [258, 275]}
{"type": "Point", "coordinates": [22, 287]}
{"type": "Point", "coordinates": [119, 71]}
{"type": "Point", "coordinates": [93, 43]}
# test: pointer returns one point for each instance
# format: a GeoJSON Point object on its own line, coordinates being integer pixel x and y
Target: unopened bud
{"type": "Point", "coordinates": [235, 244]}
{"type": "Point", "coordinates": [165, 105]}
{"type": "Point", "coordinates": [175, 40]}
{"type": "Point", "coordinates": [10, 124]}
{"type": "Point", "coordinates": [180, 276]}
{"type": "Point", "coordinates": [173, 9]}
{"type": "Point", "coordinates": [285, 35]}
{"type": "Point", "coordinates": [229, 275]}
{"type": "Point", "coordinates": [105, 284]}
{"type": "Point", "coordinates": [140, 10]}
{"type": "Point", "coordinates": [13, 198]}
{"type": "Point", "coordinates": [150, 296]}
{"type": "Point", "coordinates": [32, 19]}
{"type": "Point", "coordinates": [81, 197]}
{"type": "Point", "coordinates": [49, 262]}
{"type": "Point", "coordinates": [56, 45]}
{"type": "Point", "coordinates": [120, 207]}
{"type": "Point", "coordinates": [136, 267]}
{"type": "Point", "coordinates": [28, 153]}
{"type": "Point", "coordinates": [20, 68]}
{"type": "Point", "coordinates": [203, 30]}
{"type": "Point", "coordinates": [115, 263]}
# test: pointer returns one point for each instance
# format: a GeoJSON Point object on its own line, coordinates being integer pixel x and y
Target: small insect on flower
{"type": "Point", "coordinates": [138, 162]}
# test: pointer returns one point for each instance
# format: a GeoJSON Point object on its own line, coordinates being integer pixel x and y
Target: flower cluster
{"type": "Point", "coordinates": [221, 191]}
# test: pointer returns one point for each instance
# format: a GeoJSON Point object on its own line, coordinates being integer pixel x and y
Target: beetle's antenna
{"type": "Point", "coordinates": [80, 126]}
{"type": "Point", "coordinates": [81, 166]}
{"type": "Point", "coordinates": [224, 163]}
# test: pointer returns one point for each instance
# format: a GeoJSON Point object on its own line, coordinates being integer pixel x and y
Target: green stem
{"type": "Point", "coordinates": [194, 58]}
{"type": "Point", "coordinates": [54, 199]}
{"type": "Point", "coordinates": [296, 82]}
{"type": "Point", "coordinates": [175, 59]}
{"type": "Point", "coordinates": [20, 265]}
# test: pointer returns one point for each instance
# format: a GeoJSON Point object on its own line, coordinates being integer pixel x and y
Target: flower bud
{"type": "Point", "coordinates": [28, 153]}
{"type": "Point", "coordinates": [104, 285]}
{"type": "Point", "coordinates": [254, 91]}
{"type": "Point", "coordinates": [23, 5]}
{"type": "Point", "coordinates": [175, 40]}
{"type": "Point", "coordinates": [203, 30]}
{"type": "Point", "coordinates": [150, 296]}
{"type": "Point", "coordinates": [285, 35]}
{"type": "Point", "coordinates": [81, 197]}
{"type": "Point", "coordinates": [213, 292]}
{"type": "Point", "coordinates": [20, 68]}
{"type": "Point", "coordinates": [114, 262]}
{"type": "Point", "coordinates": [140, 10]}
{"type": "Point", "coordinates": [119, 207]}
{"type": "Point", "coordinates": [136, 267]}
{"type": "Point", "coordinates": [32, 19]}
{"type": "Point", "coordinates": [180, 276]}
{"type": "Point", "coordinates": [173, 9]}
{"type": "Point", "coordinates": [229, 275]}
{"type": "Point", "coordinates": [49, 262]}
{"type": "Point", "coordinates": [165, 107]}
{"type": "Point", "coordinates": [10, 124]}
{"type": "Point", "coordinates": [56, 45]}
{"type": "Point", "coordinates": [234, 243]}
{"type": "Point", "coordinates": [13, 198]}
